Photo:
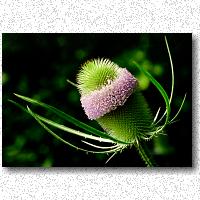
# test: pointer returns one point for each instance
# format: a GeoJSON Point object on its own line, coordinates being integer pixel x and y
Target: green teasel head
{"type": "Point", "coordinates": [111, 96]}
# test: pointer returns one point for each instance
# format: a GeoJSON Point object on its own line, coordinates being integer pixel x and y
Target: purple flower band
{"type": "Point", "coordinates": [109, 97]}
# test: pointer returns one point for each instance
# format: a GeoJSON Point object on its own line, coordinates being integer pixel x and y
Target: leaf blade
{"type": "Point", "coordinates": [160, 89]}
{"type": "Point", "coordinates": [70, 119]}
{"type": "Point", "coordinates": [61, 139]}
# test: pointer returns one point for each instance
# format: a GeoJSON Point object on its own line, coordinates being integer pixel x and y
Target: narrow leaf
{"type": "Point", "coordinates": [70, 119]}
{"type": "Point", "coordinates": [62, 140]}
{"type": "Point", "coordinates": [160, 89]}
{"type": "Point", "coordinates": [172, 75]}
{"type": "Point", "coordinates": [172, 120]}
{"type": "Point", "coordinates": [62, 127]}
{"type": "Point", "coordinates": [100, 147]}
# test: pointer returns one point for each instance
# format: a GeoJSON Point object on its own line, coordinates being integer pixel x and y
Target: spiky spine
{"type": "Point", "coordinates": [129, 122]}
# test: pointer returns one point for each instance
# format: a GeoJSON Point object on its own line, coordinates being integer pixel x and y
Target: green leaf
{"type": "Point", "coordinates": [172, 71]}
{"type": "Point", "coordinates": [62, 127]}
{"type": "Point", "coordinates": [162, 92]}
{"type": "Point", "coordinates": [64, 141]}
{"type": "Point", "coordinates": [172, 75]}
{"type": "Point", "coordinates": [172, 120]}
{"type": "Point", "coordinates": [71, 119]}
{"type": "Point", "coordinates": [101, 147]}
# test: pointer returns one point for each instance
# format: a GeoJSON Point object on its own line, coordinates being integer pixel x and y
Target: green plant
{"type": "Point", "coordinates": [119, 137]}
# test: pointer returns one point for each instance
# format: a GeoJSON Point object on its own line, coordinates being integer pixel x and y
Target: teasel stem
{"type": "Point", "coordinates": [145, 155]}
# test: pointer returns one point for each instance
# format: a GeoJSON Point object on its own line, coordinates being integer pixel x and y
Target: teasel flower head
{"type": "Point", "coordinates": [110, 95]}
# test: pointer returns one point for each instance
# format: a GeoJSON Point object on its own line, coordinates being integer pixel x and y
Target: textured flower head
{"type": "Point", "coordinates": [104, 86]}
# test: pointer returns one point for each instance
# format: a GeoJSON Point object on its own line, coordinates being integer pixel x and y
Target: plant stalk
{"type": "Point", "coordinates": [144, 153]}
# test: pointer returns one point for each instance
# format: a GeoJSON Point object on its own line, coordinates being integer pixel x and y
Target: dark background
{"type": "Point", "coordinates": [37, 66]}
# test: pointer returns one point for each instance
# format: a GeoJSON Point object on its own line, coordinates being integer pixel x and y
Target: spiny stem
{"type": "Point", "coordinates": [144, 155]}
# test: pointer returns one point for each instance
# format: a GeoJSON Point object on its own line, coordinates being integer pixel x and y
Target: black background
{"type": "Point", "coordinates": [37, 66]}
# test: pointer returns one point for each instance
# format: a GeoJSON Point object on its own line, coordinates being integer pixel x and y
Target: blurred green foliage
{"type": "Point", "coordinates": [38, 65]}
